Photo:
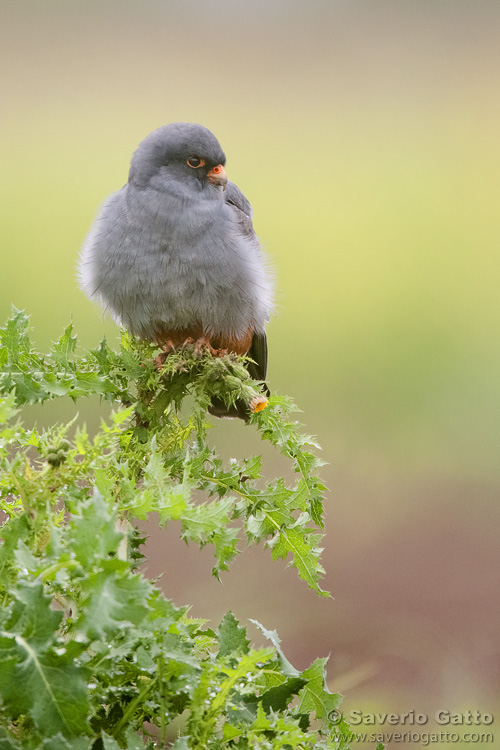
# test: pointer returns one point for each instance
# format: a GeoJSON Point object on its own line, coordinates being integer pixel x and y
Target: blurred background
{"type": "Point", "coordinates": [366, 136]}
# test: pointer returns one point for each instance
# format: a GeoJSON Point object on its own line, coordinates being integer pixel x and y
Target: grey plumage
{"type": "Point", "coordinates": [168, 249]}
{"type": "Point", "coordinates": [172, 250]}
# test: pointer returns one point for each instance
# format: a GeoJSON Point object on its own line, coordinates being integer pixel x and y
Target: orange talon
{"type": "Point", "coordinates": [219, 352]}
{"type": "Point", "coordinates": [168, 348]}
{"type": "Point", "coordinates": [201, 343]}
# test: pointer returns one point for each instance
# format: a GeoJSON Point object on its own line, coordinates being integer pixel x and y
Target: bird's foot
{"type": "Point", "coordinates": [168, 348]}
{"type": "Point", "coordinates": [218, 352]}
{"type": "Point", "coordinates": [203, 343]}
{"type": "Point", "coordinates": [200, 344]}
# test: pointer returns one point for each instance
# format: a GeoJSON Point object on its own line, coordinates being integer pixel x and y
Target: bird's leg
{"type": "Point", "coordinates": [204, 342]}
{"type": "Point", "coordinates": [188, 342]}
{"type": "Point", "coordinates": [168, 348]}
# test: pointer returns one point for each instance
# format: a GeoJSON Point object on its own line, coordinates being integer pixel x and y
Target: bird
{"type": "Point", "coordinates": [174, 258]}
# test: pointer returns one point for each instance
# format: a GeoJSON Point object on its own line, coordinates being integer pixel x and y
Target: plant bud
{"type": "Point", "coordinates": [233, 382]}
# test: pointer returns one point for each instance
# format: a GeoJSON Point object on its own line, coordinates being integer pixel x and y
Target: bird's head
{"type": "Point", "coordinates": [181, 154]}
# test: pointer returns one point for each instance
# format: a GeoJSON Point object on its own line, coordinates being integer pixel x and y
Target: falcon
{"type": "Point", "coordinates": [173, 255]}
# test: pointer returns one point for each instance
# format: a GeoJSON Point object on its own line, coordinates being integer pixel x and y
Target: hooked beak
{"type": "Point", "coordinates": [218, 176]}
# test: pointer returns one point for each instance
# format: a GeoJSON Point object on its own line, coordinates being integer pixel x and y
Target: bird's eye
{"type": "Point", "coordinates": [195, 162]}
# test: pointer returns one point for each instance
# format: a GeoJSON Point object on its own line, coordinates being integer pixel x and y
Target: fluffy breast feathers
{"type": "Point", "coordinates": [172, 259]}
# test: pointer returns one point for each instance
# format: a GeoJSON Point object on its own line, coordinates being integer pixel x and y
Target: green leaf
{"type": "Point", "coordinates": [24, 557]}
{"type": "Point", "coordinates": [87, 383]}
{"type": "Point", "coordinates": [285, 667]}
{"type": "Point", "coordinates": [133, 741]}
{"type": "Point", "coordinates": [109, 743]}
{"type": "Point", "coordinates": [44, 683]}
{"type": "Point", "coordinates": [58, 742]}
{"type": "Point", "coordinates": [315, 696]}
{"type": "Point", "coordinates": [261, 722]}
{"type": "Point", "coordinates": [7, 742]}
{"type": "Point", "coordinates": [93, 534]}
{"type": "Point", "coordinates": [13, 531]}
{"type": "Point", "coordinates": [63, 350]}
{"type": "Point", "coordinates": [104, 482]}
{"type": "Point", "coordinates": [160, 492]}
{"type": "Point", "coordinates": [278, 698]}
{"type": "Point", "coordinates": [232, 637]}
{"type": "Point", "coordinates": [32, 617]}
{"type": "Point", "coordinates": [114, 599]}
{"type": "Point", "coordinates": [201, 522]}
{"type": "Point", "coordinates": [104, 356]}
{"type": "Point", "coordinates": [87, 645]}
{"type": "Point", "coordinates": [28, 389]}
{"type": "Point", "coordinates": [305, 555]}
{"type": "Point", "coordinates": [14, 336]}
{"type": "Point", "coordinates": [8, 409]}
{"type": "Point", "coordinates": [229, 732]}
{"type": "Point", "coordinates": [181, 743]}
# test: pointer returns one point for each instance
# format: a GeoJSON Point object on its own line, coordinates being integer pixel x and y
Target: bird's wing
{"type": "Point", "coordinates": [258, 352]}
{"type": "Point", "coordinates": [235, 197]}
{"type": "Point", "coordinates": [258, 347]}
{"type": "Point", "coordinates": [257, 370]}
{"type": "Point", "coordinates": [241, 208]}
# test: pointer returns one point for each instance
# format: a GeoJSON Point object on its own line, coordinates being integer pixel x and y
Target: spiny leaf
{"type": "Point", "coordinates": [58, 742]}
{"type": "Point", "coordinates": [285, 667]}
{"type": "Point", "coordinates": [232, 637]}
{"type": "Point", "coordinates": [93, 534]}
{"type": "Point", "coordinates": [25, 559]}
{"type": "Point", "coordinates": [305, 554]}
{"type": "Point", "coordinates": [113, 598]}
{"type": "Point", "coordinates": [8, 409]}
{"type": "Point", "coordinates": [38, 676]}
{"type": "Point", "coordinates": [315, 696]}
{"type": "Point", "coordinates": [202, 522]}
{"type": "Point", "coordinates": [278, 698]}
{"type": "Point", "coordinates": [63, 350]}
{"type": "Point", "coordinates": [89, 648]}
{"type": "Point", "coordinates": [50, 688]}
{"type": "Point", "coordinates": [31, 616]}
{"type": "Point", "coordinates": [14, 335]}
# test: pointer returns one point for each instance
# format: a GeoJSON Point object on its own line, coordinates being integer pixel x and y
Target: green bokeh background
{"type": "Point", "coordinates": [366, 136]}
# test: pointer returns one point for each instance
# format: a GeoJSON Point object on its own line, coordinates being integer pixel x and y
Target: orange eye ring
{"type": "Point", "coordinates": [195, 162]}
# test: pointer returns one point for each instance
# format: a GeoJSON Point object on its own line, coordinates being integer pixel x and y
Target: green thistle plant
{"type": "Point", "coordinates": [90, 650]}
